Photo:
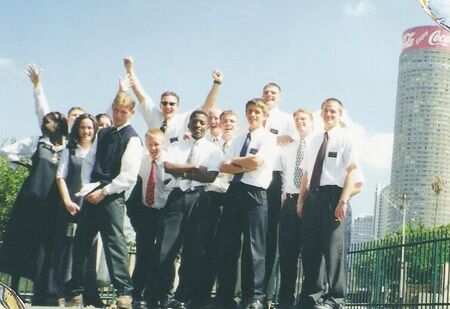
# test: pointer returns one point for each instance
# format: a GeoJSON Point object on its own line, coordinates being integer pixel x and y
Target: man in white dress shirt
{"type": "Point", "coordinates": [331, 176]}
{"type": "Point", "coordinates": [281, 126]}
{"type": "Point", "coordinates": [289, 243]}
{"type": "Point", "coordinates": [118, 149]}
{"type": "Point", "coordinates": [250, 159]}
{"type": "Point", "coordinates": [184, 222]}
{"type": "Point", "coordinates": [166, 115]}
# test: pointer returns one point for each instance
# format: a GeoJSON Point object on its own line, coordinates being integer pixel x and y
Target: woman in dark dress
{"type": "Point", "coordinates": [69, 182]}
{"type": "Point", "coordinates": [27, 242]}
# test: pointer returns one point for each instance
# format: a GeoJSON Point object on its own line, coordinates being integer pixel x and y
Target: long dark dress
{"type": "Point", "coordinates": [27, 239]}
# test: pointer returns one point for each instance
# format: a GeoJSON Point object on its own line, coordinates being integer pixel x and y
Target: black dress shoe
{"type": "Point", "coordinates": [175, 304]}
{"type": "Point", "coordinates": [255, 304]}
{"type": "Point", "coordinates": [139, 304]}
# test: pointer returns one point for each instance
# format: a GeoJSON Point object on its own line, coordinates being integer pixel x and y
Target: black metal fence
{"type": "Point", "coordinates": [390, 273]}
{"type": "Point", "coordinates": [387, 273]}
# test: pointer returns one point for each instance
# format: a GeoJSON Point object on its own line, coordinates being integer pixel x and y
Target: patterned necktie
{"type": "Point", "coordinates": [184, 183]}
{"type": "Point", "coordinates": [163, 126]}
{"type": "Point", "coordinates": [318, 165]}
{"type": "Point", "coordinates": [243, 153]}
{"type": "Point", "coordinates": [225, 147]}
{"type": "Point", "coordinates": [298, 172]}
{"type": "Point", "coordinates": [150, 192]}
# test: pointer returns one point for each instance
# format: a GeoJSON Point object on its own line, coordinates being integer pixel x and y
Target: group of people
{"type": "Point", "coordinates": [201, 191]}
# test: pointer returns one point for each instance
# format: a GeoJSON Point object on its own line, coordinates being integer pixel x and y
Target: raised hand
{"type": "Point", "coordinates": [34, 74]}
{"type": "Point", "coordinates": [128, 63]}
{"type": "Point", "coordinates": [217, 75]}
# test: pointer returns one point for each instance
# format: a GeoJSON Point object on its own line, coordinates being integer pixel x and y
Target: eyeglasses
{"type": "Point", "coordinates": [165, 103]}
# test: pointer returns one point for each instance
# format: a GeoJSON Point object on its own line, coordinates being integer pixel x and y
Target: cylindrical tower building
{"type": "Point", "coordinates": [422, 126]}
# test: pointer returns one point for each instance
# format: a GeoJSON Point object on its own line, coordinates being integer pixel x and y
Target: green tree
{"type": "Point", "coordinates": [10, 182]}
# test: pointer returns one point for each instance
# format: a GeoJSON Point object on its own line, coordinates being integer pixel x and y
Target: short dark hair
{"type": "Point", "coordinates": [74, 136]}
{"type": "Point", "coordinates": [197, 112]}
{"type": "Point", "coordinates": [60, 121]}
{"type": "Point", "coordinates": [332, 100]}
{"type": "Point", "coordinates": [272, 85]}
{"type": "Point", "coordinates": [74, 108]}
{"type": "Point", "coordinates": [167, 93]}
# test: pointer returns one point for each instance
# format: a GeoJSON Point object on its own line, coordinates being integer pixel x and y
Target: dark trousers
{"type": "Point", "coordinates": [145, 223]}
{"type": "Point", "coordinates": [106, 217]}
{"type": "Point", "coordinates": [289, 249]}
{"type": "Point", "coordinates": [274, 205]}
{"type": "Point", "coordinates": [209, 269]}
{"type": "Point", "coordinates": [323, 237]}
{"type": "Point", "coordinates": [244, 213]}
{"type": "Point", "coordinates": [183, 224]}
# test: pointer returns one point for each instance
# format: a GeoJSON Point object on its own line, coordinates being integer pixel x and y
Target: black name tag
{"type": "Point", "coordinates": [332, 154]}
{"type": "Point", "coordinates": [274, 131]}
{"type": "Point", "coordinates": [173, 139]}
{"type": "Point", "coordinates": [253, 151]}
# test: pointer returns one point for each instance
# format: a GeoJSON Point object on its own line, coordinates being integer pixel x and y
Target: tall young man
{"type": "Point", "coordinates": [331, 176]}
{"type": "Point", "coordinates": [118, 149]}
{"type": "Point", "coordinates": [289, 243]}
{"type": "Point", "coordinates": [281, 126]}
{"type": "Point", "coordinates": [184, 221]}
{"type": "Point", "coordinates": [250, 159]}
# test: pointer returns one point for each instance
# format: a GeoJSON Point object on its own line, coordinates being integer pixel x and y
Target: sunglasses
{"type": "Point", "coordinates": [165, 103]}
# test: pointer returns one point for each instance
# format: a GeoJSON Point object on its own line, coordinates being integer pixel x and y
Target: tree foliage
{"type": "Point", "coordinates": [10, 182]}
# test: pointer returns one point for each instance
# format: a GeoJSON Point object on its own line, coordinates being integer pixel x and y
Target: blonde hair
{"type": "Point", "coordinates": [123, 98]}
{"type": "Point", "coordinates": [258, 103]}
{"type": "Point", "coordinates": [304, 111]}
{"type": "Point", "coordinates": [154, 132]}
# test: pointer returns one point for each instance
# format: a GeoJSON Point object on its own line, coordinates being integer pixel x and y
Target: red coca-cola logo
{"type": "Point", "coordinates": [439, 37]}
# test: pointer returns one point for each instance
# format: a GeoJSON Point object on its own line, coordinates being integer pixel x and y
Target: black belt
{"type": "Point", "coordinates": [195, 189]}
{"type": "Point", "coordinates": [292, 195]}
{"type": "Point", "coordinates": [325, 188]}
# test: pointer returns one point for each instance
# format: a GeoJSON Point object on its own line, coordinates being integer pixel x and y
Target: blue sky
{"type": "Point", "coordinates": [347, 49]}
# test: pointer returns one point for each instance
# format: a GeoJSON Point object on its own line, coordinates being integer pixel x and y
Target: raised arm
{"type": "Point", "coordinates": [213, 93]}
{"type": "Point", "coordinates": [133, 81]}
{"type": "Point", "coordinates": [40, 101]}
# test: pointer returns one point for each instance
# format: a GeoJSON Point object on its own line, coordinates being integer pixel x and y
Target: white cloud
{"type": "Point", "coordinates": [6, 63]}
{"type": "Point", "coordinates": [375, 150]}
{"type": "Point", "coordinates": [360, 8]}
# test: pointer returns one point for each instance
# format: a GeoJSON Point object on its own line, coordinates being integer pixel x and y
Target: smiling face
{"type": "Point", "coordinates": [154, 143]}
{"type": "Point", "coordinates": [169, 106]}
{"type": "Point", "coordinates": [214, 118]}
{"type": "Point", "coordinates": [256, 115]}
{"type": "Point", "coordinates": [303, 123]}
{"type": "Point", "coordinates": [331, 113]}
{"type": "Point", "coordinates": [228, 123]}
{"type": "Point", "coordinates": [271, 96]}
{"type": "Point", "coordinates": [198, 124]}
{"type": "Point", "coordinates": [86, 130]}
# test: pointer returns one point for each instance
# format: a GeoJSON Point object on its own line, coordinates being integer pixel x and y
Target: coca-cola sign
{"type": "Point", "coordinates": [432, 37]}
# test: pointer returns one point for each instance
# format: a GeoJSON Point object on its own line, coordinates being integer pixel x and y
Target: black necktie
{"type": "Point", "coordinates": [318, 165]}
{"type": "Point", "coordinates": [243, 153]}
{"type": "Point", "coordinates": [163, 126]}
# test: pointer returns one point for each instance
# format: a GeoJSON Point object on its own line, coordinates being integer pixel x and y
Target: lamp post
{"type": "Point", "coordinates": [403, 197]}
{"type": "Point", "coordinates": [437, 186]}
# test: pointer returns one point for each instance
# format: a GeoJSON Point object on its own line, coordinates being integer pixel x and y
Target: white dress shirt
{"type": "Point", "coordinates": [153, 116]}
{"type": "Point", "coordinates": [27, 147]}
{"type": "Point", "coordinates": [222, 181]}
{"type": "Point", "coordinates": [161, 189]}
{"type": "Point", "coordinates": [262, 145]}
{"type": "Point", "coordinates": [209, 156]}
{"type": "Point", "coordinates": [340, 154]}
{"type": "Point", "coordinates": [40, 104]}
{"type": "Point", "coordinates": [288, 161]}
{"type": "Point", "coordinates": [63, 165]}
{"type": "Point", "coordinates": [129, 168]}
